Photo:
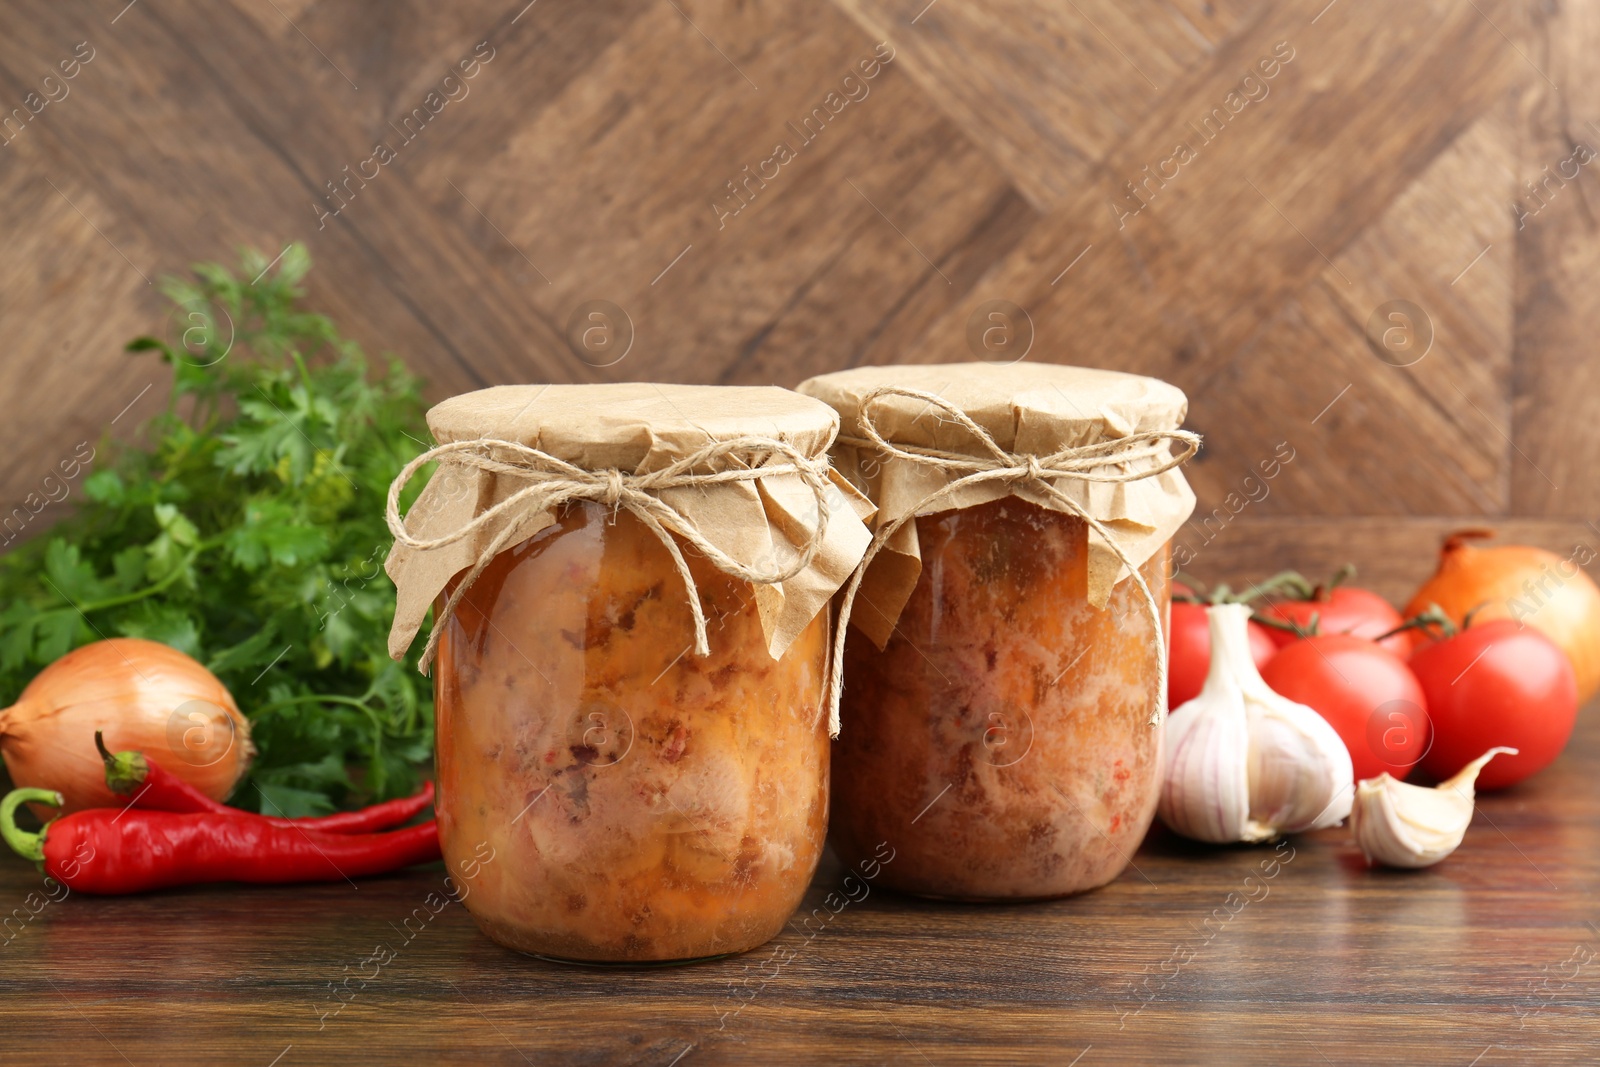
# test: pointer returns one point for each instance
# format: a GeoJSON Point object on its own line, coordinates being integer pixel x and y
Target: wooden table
{"type": "Point", "coordinates": [1491, 958]}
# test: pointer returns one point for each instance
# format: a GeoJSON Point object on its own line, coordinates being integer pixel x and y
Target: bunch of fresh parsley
{"type": "Point", "coordinates": [247, 530]}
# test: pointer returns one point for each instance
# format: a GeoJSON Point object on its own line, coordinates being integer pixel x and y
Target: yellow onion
{"type": "Point", "coordinates": [146, 697]}
{"type": "Point", "coordinates": [1544, 590]}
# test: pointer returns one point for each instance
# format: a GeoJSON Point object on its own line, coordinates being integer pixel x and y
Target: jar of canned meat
{"type": "Point", "coordinates": [1002, 708]}
{"type": "Point", "coordinates": [609, 793]}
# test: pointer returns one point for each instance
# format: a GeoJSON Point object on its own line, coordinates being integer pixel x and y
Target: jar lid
{"type": "Point", "coordinates": [1028, 411]}
{"type": "Point", "coordinates": [741, 474]}
{"type": "Point", "coordinates": [633, 426]}
{"type": "Point", "coordinates": [1034, 408]}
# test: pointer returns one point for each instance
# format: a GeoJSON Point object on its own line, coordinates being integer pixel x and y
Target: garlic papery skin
{"type": "Point", "coordinates": [1301, 777]}
{"type": "Point", "coordinates": [1205, 793]}
{"type": "Point", "coordinates": [1247, 764]}
{"type": "Point", "coordinates": [1402, 825]}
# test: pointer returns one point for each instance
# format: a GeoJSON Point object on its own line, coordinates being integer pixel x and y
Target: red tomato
{"type": "Point", "coordinates": [1496, 683]}
{"type": "Point", "coordinates": [1347, 610]}
{"type": "Point", "coordinates": [1189, 651]}
{"type": "Point", "coordinates": [1367, 694]}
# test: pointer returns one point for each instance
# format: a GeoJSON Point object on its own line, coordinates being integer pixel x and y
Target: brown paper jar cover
{"type": "Point", "coordinates": [998, 725]}
{"type": "Point", "coordinates": [1034, 408]}
{"type": "Point", "coordinates": [634, 428]}
{"type": "Point", "coordinates": [605, 794]}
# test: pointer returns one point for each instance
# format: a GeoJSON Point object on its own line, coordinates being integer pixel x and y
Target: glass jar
{"type": "Point", "coordinates": [1001, 740]}
{"type": "Point", "coordinates": [615, 797]}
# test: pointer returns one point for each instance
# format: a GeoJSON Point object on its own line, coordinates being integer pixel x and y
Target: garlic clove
{"type": "Point", "coordinates": [1302, 774]}
{"type": "Point", "coordinates": [1205, 794]}
{"type": "Point", "coordinates": [1246, 764]}
{"type": "Point", "coordinates": [1402, 825]}
{"type": "Point", "coordinates": [1300, 770]}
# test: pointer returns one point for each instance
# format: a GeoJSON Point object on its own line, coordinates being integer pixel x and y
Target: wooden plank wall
{"type": "Point", "coordinates": [1228, 194]}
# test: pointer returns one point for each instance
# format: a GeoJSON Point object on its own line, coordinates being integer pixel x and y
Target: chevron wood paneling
{"type": "Point", "coordinates": [1558, 254]}
{"type": "Point", "coordinates": [1026, 150]}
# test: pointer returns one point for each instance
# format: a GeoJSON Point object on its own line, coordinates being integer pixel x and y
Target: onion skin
{"type": "Point", "coordinates": [144, 696]}
{"type": "Point", "coordinates": [1524, 584]}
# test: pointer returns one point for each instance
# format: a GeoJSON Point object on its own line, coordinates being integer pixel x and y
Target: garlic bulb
{"type": "Point", "coordinates": [1410, 826]}
{"type": "Point", "coordinates": [1247, 764]}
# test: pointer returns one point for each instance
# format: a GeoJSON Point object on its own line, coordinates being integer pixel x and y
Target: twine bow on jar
{"type": "Point", "coordinates": [553, 482]}
{"type": "Point", "coordinates": [1088, 463]}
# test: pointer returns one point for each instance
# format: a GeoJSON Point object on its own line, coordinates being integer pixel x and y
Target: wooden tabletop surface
{"type": "Point", "coordinates": [1491, 958]}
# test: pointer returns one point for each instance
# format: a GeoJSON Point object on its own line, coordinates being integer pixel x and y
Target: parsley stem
{"type": "Point", "coordinates": [140, 594]}
{"type": "Point", "coordinates": [320, 698]}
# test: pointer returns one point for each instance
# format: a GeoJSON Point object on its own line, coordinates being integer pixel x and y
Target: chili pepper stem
{"type": "Point", "coordinates": [28, 845]}
{"type": "Point", "coordinates": [125, 771]}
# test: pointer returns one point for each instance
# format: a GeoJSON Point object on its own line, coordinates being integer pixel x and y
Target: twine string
{"type": "Point", "coordinates": [552, 482]}
{"type": "Point", "coordinates": [1087, 463]}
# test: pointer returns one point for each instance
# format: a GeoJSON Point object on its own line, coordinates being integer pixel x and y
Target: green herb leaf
{"type": "Point", "coordinates": [249, 533]}
{"type": "Point", "coordinates": [287, 802]}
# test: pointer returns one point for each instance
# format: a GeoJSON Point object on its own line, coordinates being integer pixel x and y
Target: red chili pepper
{"type": "Point", "coordinates": [155, 788]}
{"type": "Point", "coordinates": [111, 851]}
